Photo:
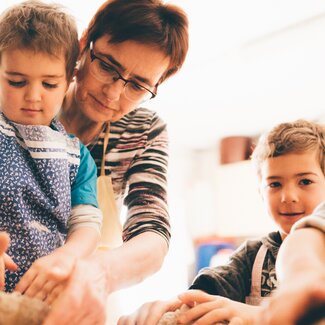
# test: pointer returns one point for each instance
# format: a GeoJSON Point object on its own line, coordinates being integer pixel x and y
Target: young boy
{"type": "Point", "coordinates": [48, 202]}
{"type": "Point", "coordinates": [290, 162]}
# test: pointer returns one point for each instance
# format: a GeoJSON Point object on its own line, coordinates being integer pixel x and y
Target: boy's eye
{"type": "Point", "coordinates": [48, 85]}
{"type": "Point", "coordinates": [275, 184]}
{"type": "Point", "coordinates": [17, 84]}
{"type": "Point", "coordinates": [305, 181]}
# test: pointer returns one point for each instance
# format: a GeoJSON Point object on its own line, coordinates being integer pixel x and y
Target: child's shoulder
{"type": "Point", "coordinates": [251, 246]}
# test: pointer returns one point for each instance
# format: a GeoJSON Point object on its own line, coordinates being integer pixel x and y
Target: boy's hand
{"type": "Point", "coordinates": [210, 309]}
{"type": "Point", "coordinates": [150, 313]}
{"type": "Point", "coordinates": [45, 277]}
{"type": "Point", "coordinates": [5, 260]}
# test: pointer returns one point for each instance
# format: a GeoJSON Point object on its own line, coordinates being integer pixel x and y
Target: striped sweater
{"type": "Point", "coordinates": [136, 158]}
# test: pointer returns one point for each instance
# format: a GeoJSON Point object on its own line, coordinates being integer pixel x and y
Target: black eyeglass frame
{"type": "Point", "coordinates": [93, 57]}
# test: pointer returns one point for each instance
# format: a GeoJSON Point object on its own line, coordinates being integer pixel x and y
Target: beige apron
{"type": "Point", "coordinates": [255, 297]}
{"type": "Point", "coordinates": [111, 231]}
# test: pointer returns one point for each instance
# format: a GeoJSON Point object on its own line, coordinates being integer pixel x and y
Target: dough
{"type": "Point", "coordinates": [16, 309]}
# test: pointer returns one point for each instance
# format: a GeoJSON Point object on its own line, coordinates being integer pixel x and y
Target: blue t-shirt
{"type": "Point", "coordinates": [84, 187]}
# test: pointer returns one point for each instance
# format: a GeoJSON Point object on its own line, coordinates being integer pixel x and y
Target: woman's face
{"type": "Point", "coordinates": [102, 101]}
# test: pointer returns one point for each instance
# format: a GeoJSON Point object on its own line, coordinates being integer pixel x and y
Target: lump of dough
{"type": "Point", "coordinates": [17, 309]}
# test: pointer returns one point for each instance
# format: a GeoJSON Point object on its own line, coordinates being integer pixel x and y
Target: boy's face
{"type": "Point", "coordinates": [292, 186]}
{"type": "Point", "coordinates": [32, 86]}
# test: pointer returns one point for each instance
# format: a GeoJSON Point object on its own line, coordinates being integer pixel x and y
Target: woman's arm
{"type": "Point", "coordinates": [139, 159]}
{"type": "Point", "coordinates": [303, 251]}
{"type": "Point", "coordinates": [231, 280]}
{"type": "Point", "coordinates": [135, 260]}
{"type": "Point", "coordinates": [94, 278]}
{"type": "Point", "coordinates": [301, 273]}
{"type": "Point", "coordinates": [146, 177]}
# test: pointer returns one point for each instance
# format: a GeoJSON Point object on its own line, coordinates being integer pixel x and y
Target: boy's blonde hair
{"type": "Point", "coordinates": [42, 28]}
{"type": "Point", "coordinates": [293, 137]}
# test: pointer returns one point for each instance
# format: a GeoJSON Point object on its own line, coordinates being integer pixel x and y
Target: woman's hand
{"type": "Point", "coordinates": [209, 309]}
{"type": "Point", "coordinates": [150, 313]}
{"type": "Point", "coordinates": [5, 260]}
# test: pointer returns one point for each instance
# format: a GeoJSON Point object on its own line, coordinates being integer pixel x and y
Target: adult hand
{"type": "Point", "coordinates": [150, 313]}
{"type": "Point", "coordinates": [210, 309]}
{"type": "Point", "coordinates": [5, 260]}
{"type": "Point", "coordinates": [83, 298]}
{"type": "Point", "coordinates": [295, 300]}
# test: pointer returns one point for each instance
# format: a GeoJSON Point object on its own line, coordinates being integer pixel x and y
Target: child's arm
{"type": "Point", "coordinates": [44, 276]}
{"type": "Point", "coordinates": [48, 272]}
{"type": "Point", "coordinates": [211, 309]}
{"type": "Point", "coordinates": [5, 259]}
{"type": "Point", "coordinates": [205, 308]}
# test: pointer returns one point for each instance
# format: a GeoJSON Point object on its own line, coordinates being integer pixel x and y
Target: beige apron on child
{"type": "Point", "coordinates": [255, 298]}
{"type": "Point", "coordinates": [111, 231]}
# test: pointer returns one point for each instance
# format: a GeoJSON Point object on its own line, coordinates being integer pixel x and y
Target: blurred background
{"type": "Point", "coordinates": [251, 64]}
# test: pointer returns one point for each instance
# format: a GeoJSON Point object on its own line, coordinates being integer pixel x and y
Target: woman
{"type": "Point", "coordinates": [129, 48]}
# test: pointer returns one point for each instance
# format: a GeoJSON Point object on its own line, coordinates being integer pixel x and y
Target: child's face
{"type": "Point", "coordinates": [32, 86]}
{"type": "Point", "coordinates": [292, 186]}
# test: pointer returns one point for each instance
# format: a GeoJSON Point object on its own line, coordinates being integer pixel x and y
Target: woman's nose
{"type": "Point", "coordinates": [113, 91]}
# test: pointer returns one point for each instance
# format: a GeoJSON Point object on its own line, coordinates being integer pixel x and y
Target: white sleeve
{"type": "Point", "coordinates": [84, 216]}
{"type": "Point", "coordinates": [315, 220]}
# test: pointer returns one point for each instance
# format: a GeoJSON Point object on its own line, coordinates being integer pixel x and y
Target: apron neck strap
{"type": "Point", "coordinates": [106, 137]}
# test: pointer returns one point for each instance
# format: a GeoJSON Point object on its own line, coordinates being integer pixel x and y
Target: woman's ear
{"type": "Point", "coordinates": [75, 71]}
{"type": "Point", "coordinates": [79, 71]}
{"type": "Point", "coordinates": [72, 78]}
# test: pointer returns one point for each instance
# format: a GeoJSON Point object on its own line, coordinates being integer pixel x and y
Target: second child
{"type": "Point", "coordinates": [290, 163]}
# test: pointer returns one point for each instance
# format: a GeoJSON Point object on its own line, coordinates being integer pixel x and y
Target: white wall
{"type": "Point", "coordinates": [223, 199]}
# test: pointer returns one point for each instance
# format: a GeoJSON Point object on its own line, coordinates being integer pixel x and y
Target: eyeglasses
{"type": "Point", "coordinates": [107, 74]}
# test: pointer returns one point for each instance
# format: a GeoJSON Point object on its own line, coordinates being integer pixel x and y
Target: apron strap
{"type": "Point", "coordinates": [257, 271]}
{"type": "Point", "coordinates": [106, 137]}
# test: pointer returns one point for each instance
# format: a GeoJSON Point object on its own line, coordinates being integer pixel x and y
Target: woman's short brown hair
{"type": "Point", "coordinates": [144, 21]}
{"type": "Point", "coordinates": [42, 28]}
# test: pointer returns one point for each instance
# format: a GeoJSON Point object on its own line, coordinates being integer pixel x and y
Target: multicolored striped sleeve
{"type": "Point", "coordinates": [146, 176]}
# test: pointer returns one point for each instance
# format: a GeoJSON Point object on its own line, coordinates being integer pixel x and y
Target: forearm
{"type": "Point", "coordinates": [135, 260]}
{"type": "Point", "coordinates": [84, 231]}
{"type": "Point", "coordinates": [81, 242]}
{"type": "Point", "coordinates": [295, 257]}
